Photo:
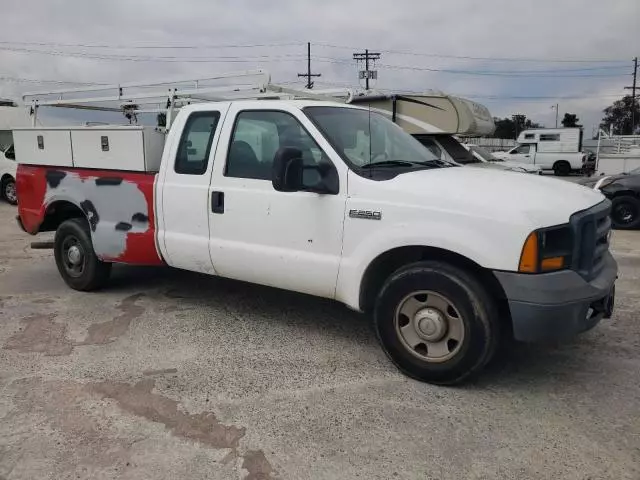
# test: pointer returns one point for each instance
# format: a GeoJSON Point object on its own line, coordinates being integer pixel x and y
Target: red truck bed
{"type": "Point", "coordinates": [126, 227]}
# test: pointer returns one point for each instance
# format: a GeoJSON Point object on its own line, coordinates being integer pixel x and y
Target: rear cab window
{"type": "Point", "coordinates": [195, 143]}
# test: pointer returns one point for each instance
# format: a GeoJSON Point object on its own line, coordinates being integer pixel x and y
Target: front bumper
{"type": "Point", "coordinates": [558, 305]}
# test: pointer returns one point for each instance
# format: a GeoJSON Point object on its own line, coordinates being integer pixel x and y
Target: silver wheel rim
{"type": "Point", "coordinates": [10, 191]}
{"type": "Point", "coordinates": [73, 256]}
{"type": "Point", "coordinates": [429, 326]}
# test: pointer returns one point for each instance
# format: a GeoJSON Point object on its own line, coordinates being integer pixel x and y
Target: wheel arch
{"type": "Point", "coordinates": [7, 176]}
{"type": "Point", "coordinates": [57, 212]}
{"type": "Point", "coordinates": [381, 267]}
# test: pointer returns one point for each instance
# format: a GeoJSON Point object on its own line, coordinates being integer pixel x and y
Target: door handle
{"type": "Point", "coordinates": [217, 202]}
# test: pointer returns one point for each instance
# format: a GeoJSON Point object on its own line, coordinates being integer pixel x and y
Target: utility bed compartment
{"type": "Point", "coordinates": [107, 147]}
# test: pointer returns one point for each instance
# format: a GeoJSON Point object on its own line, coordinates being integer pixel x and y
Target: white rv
{"type": "Point", "coordinates": [557, 149]}
{"type": "Point", "coordinates": [435, 119]}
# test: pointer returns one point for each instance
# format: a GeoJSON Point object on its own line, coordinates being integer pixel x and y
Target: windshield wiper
{"type": "Point", "coordinates": [406, 163]}
{"type": "Point", "coordinates": [391, 163]}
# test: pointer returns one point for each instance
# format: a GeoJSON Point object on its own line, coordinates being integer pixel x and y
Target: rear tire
{"type": "Point", "coordinates": [76, 259]}
{"type": "Point", "coordinates": [625, 212]}
{"type": "Point", "coordinates": [562, 168]}
{"type": "Point", "coordinates": [9, 191]}
{"type": "Point", "coordinates": [436, 322]}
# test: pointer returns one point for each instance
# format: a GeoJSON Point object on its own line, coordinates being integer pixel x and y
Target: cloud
{"type": "Point", "coordinates": [544, 29]}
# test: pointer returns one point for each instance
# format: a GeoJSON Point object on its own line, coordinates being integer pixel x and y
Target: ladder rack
{"type": "Point", "coordinates": [166, 96]}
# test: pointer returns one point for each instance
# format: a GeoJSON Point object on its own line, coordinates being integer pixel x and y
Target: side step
{"type": "Point", "coordinates": [42, 245]}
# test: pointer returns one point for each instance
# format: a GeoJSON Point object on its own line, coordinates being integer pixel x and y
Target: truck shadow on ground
{"type": "Point", "coordinates": [515, 365]}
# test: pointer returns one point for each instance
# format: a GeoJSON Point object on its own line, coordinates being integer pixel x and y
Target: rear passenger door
{"type": "Point", "coordinates": [290, 240]}
{"type": "Point", "coordinates": [183, 194]}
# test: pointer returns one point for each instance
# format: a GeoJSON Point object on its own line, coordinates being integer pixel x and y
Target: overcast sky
{"type": "Point", "coordinates": [437, 32]}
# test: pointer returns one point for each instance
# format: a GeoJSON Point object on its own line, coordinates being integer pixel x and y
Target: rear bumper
{"type": "Point", "coordinates": [558, 305]}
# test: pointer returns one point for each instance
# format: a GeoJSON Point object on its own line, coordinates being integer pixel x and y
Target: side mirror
{"type": "Point", "coordinates": [290, 174]}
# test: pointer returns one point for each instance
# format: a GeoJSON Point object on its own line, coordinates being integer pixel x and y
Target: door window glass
{"type": "Point", "coordinates": [256, 139]}
{"type": "Point", "coordinates": [522, 149]}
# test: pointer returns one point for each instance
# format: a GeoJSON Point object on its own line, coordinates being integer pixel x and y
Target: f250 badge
{"type": "Point", "coordinates": [366, 214]}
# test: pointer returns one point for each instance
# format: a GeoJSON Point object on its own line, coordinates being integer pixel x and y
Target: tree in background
{"type": "Point", "coordinates": [507, 127]}
{"type": "Point", "coordinates": [619, 116]}
{"type": "Point", "coordinates": [570, 120]}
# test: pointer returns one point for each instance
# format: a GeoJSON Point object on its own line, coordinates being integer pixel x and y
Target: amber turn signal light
{"type": "Point", "coordinates": [552, 263]}
{"type": "Point", "coordinates": [529, 257]}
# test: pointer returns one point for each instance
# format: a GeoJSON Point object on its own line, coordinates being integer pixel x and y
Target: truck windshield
{"type": "Point", "coordinates": [367, 139]}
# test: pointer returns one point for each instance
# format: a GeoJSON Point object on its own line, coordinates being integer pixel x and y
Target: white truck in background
{"type": "Point", "coordinates": [557, 149]}
{"type": "Point", "coordinates": [11, 116]}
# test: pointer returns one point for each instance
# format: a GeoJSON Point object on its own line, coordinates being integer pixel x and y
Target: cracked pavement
{"type": "Point", "coordinates": [168, 374]}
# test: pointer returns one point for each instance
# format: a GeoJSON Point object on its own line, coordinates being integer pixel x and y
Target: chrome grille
{"type": "Point", "coordinates": [591, 239]}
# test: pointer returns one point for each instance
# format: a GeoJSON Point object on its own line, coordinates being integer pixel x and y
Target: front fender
{"type": "Point", "coordinates": [495, 246]}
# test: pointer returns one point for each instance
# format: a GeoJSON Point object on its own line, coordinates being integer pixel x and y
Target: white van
{"type": "Point", "coordinates": [557, 149]}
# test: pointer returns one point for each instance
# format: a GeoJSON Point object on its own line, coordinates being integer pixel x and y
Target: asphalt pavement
{"type": "Point", "coordinates": [173, 375]}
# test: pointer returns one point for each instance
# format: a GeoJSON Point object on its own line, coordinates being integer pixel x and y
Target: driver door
{"type": "Point", "coordinates": [522, 153]}
{"type": "Point", "coordinates": [289, 240]}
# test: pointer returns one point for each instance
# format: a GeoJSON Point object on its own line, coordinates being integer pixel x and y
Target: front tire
{"type": "Point", "coordinates": [76, 259]}
{"type": "Point", "coordinates": [436, 322]}
{"type": "Point", "coordinates": [625, 212]}
{"type": "Point", "coordinates": [9, 191]}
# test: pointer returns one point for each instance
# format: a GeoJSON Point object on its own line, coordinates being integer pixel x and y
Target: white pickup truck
{"type": "Point", "coordinates": [557, 149]}
{"type": "Point", "coordinates": [8, 167]}
{"type": "Point", "coordinates": [335, 201]}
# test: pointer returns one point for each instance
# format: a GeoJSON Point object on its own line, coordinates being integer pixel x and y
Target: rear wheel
{"type": "Point", "coordinates": [625, 212]}
{"type": "Point", "coordinates": [9, 191]}
{"type": "Point", "coordinates": [436, 322]}
{"type": "Point", "coordinates": [562, 168]}
{"type": "Point", "coordinates": [76, 260]}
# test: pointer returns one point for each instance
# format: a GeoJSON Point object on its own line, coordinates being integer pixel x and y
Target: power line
{"type": "Point", "coordinates": [466, 57]}
{"type": "Point", "coordinates": [9, 78]}
{"type": "Point", "coordinates": [529, 74]}
{"type": "Point", "coordinates": [159, 59]}
{"type": "Point", "coordinates": [145, 47]}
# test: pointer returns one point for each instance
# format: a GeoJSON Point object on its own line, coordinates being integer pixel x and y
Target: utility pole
{"type": "Point", "coordinates": [633, 95]}
{"type": "Point", "coordinates": [366, 73]}
{"type": "Point", "coordinates": [309, 75]}
{"type": "Point", "coordinates": [556, 107]}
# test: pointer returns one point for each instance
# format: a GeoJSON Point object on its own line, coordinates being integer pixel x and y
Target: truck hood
{"type": "Point", "coordinates": [492, 193]}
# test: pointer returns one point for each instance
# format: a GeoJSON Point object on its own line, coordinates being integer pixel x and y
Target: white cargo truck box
{"type": "Point", "coordinates": [38, 146]}
{"type": "Point", "coordinates": [107, 147]}
{"type": "Point", "coordinates": [553, 140]}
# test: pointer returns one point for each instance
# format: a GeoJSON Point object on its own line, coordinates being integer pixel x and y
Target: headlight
{"type": "Point", "coordinates": [547, 250]}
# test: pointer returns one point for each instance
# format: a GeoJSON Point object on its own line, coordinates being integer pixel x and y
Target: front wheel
{"type": "Point", "coordinates": [76, 260]}
{"type": "Point", "coordinates": [9, 191]}
{"type": "Point", "coordinates": [436, 322]}
{"type": "Point", "coordinates": [625, 212]}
